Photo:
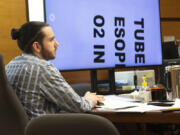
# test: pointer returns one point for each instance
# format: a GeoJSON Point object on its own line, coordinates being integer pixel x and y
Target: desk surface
{"type": "Point", "coordinates": [136, 117]}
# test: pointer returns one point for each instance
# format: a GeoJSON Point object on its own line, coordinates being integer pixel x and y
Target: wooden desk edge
{"type": "Point", "coordinates": [135, 117]}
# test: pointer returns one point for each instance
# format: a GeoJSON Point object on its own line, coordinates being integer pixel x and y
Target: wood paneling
{"type": "Point", "coordinates": [76, 76]}
{"type": "Point", "coordinates": [83, 76]}
{"type": "Point", "coordinates": [170, 18]}
{"type": "Point", "coordinates": [170, 8]}
{"type": "Point", "coordinates": [12, 14]}
{"type": "Point", "coordinates": [171, 28]}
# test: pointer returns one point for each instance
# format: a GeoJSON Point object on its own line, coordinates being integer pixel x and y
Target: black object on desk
{"type": "Point", "coordinates": [161, 103]}
{"type": "Point", "coordinates": [158, 94]}
{"type": "Point", "coordinates": [99, 103]}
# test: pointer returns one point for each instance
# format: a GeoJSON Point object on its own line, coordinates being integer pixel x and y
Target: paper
{"type": "Point", "coordinates": [116, 103]}
{"type": "Point", "coordinates": [122, 104]}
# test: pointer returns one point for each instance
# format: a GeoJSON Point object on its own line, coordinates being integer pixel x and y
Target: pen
{"type": "Point", "coordinates": [124, 107]}
{"type": "Point", "coordinates": [170, 109]}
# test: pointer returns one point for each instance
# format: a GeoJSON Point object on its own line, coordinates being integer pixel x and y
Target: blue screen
{"type": "Point", "coordinates": [105, 33]}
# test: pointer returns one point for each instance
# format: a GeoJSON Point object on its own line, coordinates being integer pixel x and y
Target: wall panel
{"type": "Point", "coordinates": [12, 14]}
{"type": "Point", "coordinates": [170, 8]}
{"type": "Point", "coordinates": [171, 28]}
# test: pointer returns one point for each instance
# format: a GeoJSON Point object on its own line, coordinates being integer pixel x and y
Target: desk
{"type": "Point", "coordinates": [138, 115]}
{"type": "Point", "coordinates": [135, 116]}
{"type": "Point", "coordinates": [146, 117]}
{"type": "Point", "coordinates": [156, 117]}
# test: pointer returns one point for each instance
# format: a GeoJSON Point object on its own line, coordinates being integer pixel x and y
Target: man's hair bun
{"type": "Point", "coordinates": [15, 34]}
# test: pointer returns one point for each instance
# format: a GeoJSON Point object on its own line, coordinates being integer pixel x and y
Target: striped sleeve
{"type": "Point", "coordinates": [57, 90]}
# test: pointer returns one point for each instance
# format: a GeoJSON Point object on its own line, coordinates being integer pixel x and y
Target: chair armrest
{"type": "Point", "coordinates": [70, 124]}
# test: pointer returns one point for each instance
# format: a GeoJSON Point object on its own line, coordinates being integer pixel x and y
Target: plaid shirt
{"type": "Point", "coordinates": [41, 88]}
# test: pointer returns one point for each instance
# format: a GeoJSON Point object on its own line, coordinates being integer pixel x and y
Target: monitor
{"type": "Point", "coordinates": [170, 50]}
{"type": "Point", "coordinates": [95, 34]}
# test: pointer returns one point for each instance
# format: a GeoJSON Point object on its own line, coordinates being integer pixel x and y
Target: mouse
{"type": "Point", "coordinates": [99, 103]}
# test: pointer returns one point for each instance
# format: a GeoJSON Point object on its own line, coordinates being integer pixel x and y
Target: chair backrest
{"type": "Point", "coordinates": [71, 124]}
{"type": "Point", "coordinates": [81, 88]}
{"type": "Point", "coordinates": [13, 118]}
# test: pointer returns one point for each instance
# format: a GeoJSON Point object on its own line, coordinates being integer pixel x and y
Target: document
{"type": "Point", "coordinates": [116, 103]}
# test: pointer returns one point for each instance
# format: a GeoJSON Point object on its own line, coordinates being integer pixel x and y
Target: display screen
{"type": "Point", "coordinates": [95, 34]}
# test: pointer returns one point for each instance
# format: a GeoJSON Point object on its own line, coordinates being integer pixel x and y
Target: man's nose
{"type": "Point", "coordinates": [57, 43]}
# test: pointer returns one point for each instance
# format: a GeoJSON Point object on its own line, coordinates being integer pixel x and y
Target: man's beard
{"type": "Point", "coordinates": [47, 55]}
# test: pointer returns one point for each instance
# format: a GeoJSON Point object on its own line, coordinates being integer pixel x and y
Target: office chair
{"type": "Point", "coordinates": [81, 88]}
{"type": "Point", "coordinates": [71, 124]}
{"type": "Point", "coordinates": [13, 118]}
{"type": "Point", "coordinates": [14, 121]}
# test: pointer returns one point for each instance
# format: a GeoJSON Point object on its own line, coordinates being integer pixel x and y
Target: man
{"type": "Point", "coordinates": [38, 84]}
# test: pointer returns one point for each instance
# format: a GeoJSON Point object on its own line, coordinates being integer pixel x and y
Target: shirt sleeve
{"type": "Point", "coordinates": [57, 90]}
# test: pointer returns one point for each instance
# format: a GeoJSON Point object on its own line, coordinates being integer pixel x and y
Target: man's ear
{"type": "Point", "coordinates": [36, 47]}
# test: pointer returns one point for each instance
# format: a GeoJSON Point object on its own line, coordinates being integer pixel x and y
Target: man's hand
{"type": "Point", "coordinates": [93, 97]}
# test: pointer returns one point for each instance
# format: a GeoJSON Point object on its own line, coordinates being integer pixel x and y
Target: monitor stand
{"type": "Point", "coordinates": [135, 82]}
{"type": "Point", "coordinates": [95, 82]}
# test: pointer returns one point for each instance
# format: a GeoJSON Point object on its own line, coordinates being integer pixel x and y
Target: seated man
{"type": "Point", "coordinates": [38, 84]}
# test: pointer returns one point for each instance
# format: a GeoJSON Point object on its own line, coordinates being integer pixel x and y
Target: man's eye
{"type": "Point", "coordinates": [52, 39]}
